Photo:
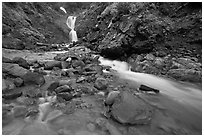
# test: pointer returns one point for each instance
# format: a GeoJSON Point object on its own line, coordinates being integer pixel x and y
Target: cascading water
{"type": "Point", "coordinates": [71, 24]}
{"type": "Point", "coordinates": [182, 102]}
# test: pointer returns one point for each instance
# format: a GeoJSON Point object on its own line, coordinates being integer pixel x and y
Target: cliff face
{"type": "Point", "coordinates": [122, 29]}
{"type": "Point", "coordinates": [24, 24]}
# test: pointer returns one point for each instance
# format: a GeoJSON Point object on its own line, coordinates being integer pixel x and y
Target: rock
{"type": "Point", "coordinates": [159, 62]}
{"type": "Point", "coordinates": [7, 116]}
{"type": "Point", "coordinates": [65, 65]}
{"type": "Point", "coordinates": [6, 60]}
{"type": "Point", "coordinates": [78, 63]}
{"type": "Point", "coordinates": [53, 86]}
{"type": "Point", "coordinates": [80, 79]}
{"type": "Point", "coordinates": [111, 97]}
{"type": "Point", "coordinates": [32, 93]}
{"type": "Point", "coordinates": [64, 95]}
{"type": "Point", "coordinates": [146, 88]}
{"type": "Point", "coordinates": [91, 127]}
{"type": "Point", "coordinates": [18, 82]}
{"type": "Point", "coordinates": [64, 88]}
{"type": "Point", "coordinates": [14, 69]}
{"type": "Point", "coordinates": [129, 109]}
{"type": "Point", "coordinates": [33, 78]}
{"type": "Point", "coordinates": [150, 57]}
{"type": "Point", "coordinates": [12, 43]}
{"type": "Point", "coordinates": [12, 94]}
{"type": "Point", "coordinates": [19, 111]}
{"type": "Point", "coordinates": [101, 84]}
{"type": "Point", "coordinates": [21, 62]}
{"type": "Point", "coordinates": [9, 84]}
{"type": "Point", "coordinates": [4, 86]}
{"type": "Point", "coordinates": [50, 64]}
{"type": "Point", "coordinates": [186, 74]}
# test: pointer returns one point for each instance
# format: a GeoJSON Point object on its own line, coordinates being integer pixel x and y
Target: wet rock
{"type": "Point", "coordinates": [33, 78]}
{"type": "Point", "coordinates": [129, 109]}
{"type": "Point", "coordinates": [14, 69]}
{"type": "Point", "coordinates": [146, 88]}
{"type": "Point", "coordinates": [53, 86]}
{"type": "Point", "coordinates": [12, 94]}
{"type": "Point", "coordinates": [49, 65]}
{"type": "Point", "coordinates": [101, 84]}
{"type": "Point", "coordinates": [21, 62]}
{"type": "Point", "coordinates": [94, 68]}
{"type": "Point", "coordinates": [19, 111]}
{"type": "Point", "coordinates": [64, 88]}
{"type": "Point", "coordinates": [64, 95]}
{"type": "Point", "coordinates": [18, 82]}
{"type": "Point", "coordinates": [186, 74]}
{"type": "Point", "coordinates": [111, 97]}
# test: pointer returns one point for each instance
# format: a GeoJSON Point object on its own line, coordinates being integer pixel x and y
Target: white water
{"type": "Point", "coordinates": [63, 9]}
{"type": "Point", "coordinates": [183, 94]}
{"type": "Point", "coordinates": [71, 24]}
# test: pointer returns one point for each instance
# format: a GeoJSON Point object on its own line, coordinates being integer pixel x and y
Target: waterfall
{"type": "Point", "coordinates": [63, 9]}
{"type": "Point", "coordinates": [71, 24]}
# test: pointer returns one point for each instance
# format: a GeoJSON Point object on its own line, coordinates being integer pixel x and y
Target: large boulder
{"type": "Point", "coordinates": [21, 62]}
{"type": "Point", "coordinates": [33, 78]}
{"type": "Point", "coordinates": [14, 69]}
{"type": "Point", "coordinates": [51, 64]}
{"type": "Point", "coordinates": [129, 109]}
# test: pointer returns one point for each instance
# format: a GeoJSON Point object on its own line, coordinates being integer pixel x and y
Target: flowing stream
{"type": "Point", "coordinates": [181, 101]}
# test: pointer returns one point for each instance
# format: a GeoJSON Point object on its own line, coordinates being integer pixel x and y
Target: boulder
{"type": "Point", "coordinates": [6, 60]}
{"type": "Point", "coordinates": [53, 86]}
{"type": "Point", "coordinates": [21, 62]}
{"type": "Point", "coordinates": [64, 88]}
{"type": "Point", "coordinates": [65, 95]}
{"type": "Point", "coordinates": [33, 78]}
{"type": "Point", "coordinates": [18, 82]}
{"type": "Point", "coordinates": [65, 65]}
{"type": "Point", "coordinates": [49, 65]}
{"type": "Point", "coordinates": [101, 84]}
{"type": "Point", "coordinates": [129, 109]}
{"type": "Point", "coordinates": [11, 94]}
{"type": "Point", "coordinates": [14, 69]}
{"type": "Point", "coordinates": [19, 111]}
{"type": "Point", "coordinates": [9, 84]}
{"type": "Point", "coordinates": [146, 88]}
{"type": "Point", "coordinates": [32, 92]}
{"type": "Point", "coordinates": [111, 97]}
{"type": "Point", "coordinates": [159, 62]}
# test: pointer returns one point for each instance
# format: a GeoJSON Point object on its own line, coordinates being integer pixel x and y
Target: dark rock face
{"type": "Point", "coordinates": [128, 109]}
{"type": "Point", "coordinates": [33, 78]}
{"type": "Point", "coordinates": [25, 24]}
{"type": "Point", "coordinates": [121, 29]}
{"type": "Point", "coordinates": [11, 94]}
